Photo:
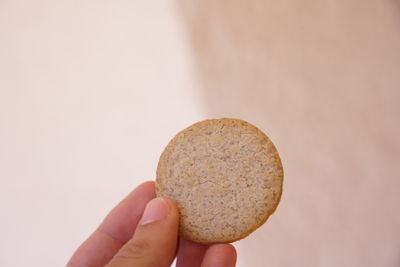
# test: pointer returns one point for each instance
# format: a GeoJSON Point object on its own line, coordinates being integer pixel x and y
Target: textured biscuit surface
{"type": "Point", "coordinates": [226, 177]}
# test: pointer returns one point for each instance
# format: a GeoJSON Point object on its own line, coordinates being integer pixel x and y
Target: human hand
{"type": "Point", "coordinates": [143, 231]}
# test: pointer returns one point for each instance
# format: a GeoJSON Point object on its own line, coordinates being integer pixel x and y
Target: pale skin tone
{"type": "Point", "coordinates": [142, 230]}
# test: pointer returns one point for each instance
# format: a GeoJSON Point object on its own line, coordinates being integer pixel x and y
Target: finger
{"type": "Point", "coordinates": [116, 229]}
{"type": "Point", "coordinates": [155, 239]}
{"type": "Point", "coordinates": [190, 254]}
{"type": "Point", "coordinates": [220, 255]}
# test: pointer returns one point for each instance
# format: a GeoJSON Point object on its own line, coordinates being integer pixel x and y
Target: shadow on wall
{"type": "Point", "coordinates": [321, 78]}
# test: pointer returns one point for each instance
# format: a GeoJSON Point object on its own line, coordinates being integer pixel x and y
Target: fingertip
{"type": "Point", "coordinates": [227, 250]}
{"type": "Point", "coordinates": [220, 255]}
{"type": "Point", "coordinates": [230, 250]}
{"type": "Point", "coordinates": [147, 185]}
{"type": "Point", "coordinates": [150, 186]}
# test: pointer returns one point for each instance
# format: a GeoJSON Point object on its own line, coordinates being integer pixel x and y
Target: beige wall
{"type": "Point", "coordinates": [91, 91]}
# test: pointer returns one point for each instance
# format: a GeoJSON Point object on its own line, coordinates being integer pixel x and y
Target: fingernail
{"type": "Point", "coordinates": [155, 210]}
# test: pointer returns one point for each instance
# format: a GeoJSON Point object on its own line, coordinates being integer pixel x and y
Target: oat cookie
{"type": "Point", "coordinates": [226, 177]}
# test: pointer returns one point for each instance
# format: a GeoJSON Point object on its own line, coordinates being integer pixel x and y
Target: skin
{"type": "Point", "coordinates": [126, 238]}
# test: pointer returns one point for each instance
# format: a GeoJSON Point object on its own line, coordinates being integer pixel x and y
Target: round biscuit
{"type": "Point", "coordinates": [225, 176]}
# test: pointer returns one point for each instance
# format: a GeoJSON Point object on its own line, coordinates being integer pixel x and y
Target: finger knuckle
{"type": "Point", "coordinates": [135, 249]}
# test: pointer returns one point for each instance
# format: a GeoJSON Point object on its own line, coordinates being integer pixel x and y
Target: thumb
{"type": "Point", "coordinates": [155, 239]}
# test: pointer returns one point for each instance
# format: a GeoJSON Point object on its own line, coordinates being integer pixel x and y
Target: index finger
{"type": "Point", "coordinates": [116, 229]}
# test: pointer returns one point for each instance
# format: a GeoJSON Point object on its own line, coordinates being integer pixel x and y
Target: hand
{"type": "Point", "coordinates": [143, 231]}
